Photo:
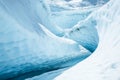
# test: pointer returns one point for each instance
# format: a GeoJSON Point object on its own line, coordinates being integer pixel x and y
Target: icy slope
{"type": "Point", "coordinates": [85, 34]}
{"type": "Point", "coordinates": [67, 13]}
{"type": "Point", "coordinates": [104, 63]}
{"type": "Point", "coordinates": [29, 13]}
{"type": "Point", "coordinates": [76, 4]}
{"type": "Point", "coordinates": [26, 49]}
{"type": "Point", "coordinates": [68, 18]}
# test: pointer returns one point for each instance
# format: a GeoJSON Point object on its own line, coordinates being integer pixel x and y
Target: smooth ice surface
{"type": "Point", "coordinates": [85, 33]}
{"type": "Point", "coordinates": [70, 17]}
{"type": "Point", "coordinates": [30, 46]}
{"type": "Point", "coordinates": [104, 63]}
{"type": "Point", "coordinates": [29, 13]}
{"type": "Point", "coordinates": [27, 47]}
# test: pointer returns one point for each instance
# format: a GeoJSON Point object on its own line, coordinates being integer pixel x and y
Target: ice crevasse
{"type": "Point", "coordinates": [26, 49]}
{"type": "Point", "coordinates": [104, 63]}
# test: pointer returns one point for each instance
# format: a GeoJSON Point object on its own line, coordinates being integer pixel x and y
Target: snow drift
{"type": "Point", "coordinates": [104, 63]}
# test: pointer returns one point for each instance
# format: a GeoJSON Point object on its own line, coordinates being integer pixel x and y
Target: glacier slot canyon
{"type": "Point", "coordinates": [59, 40]}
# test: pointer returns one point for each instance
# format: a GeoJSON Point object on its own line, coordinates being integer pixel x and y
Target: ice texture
{"type": "Point", "coordinates": [104, 63]}
{"type": "Point", "coordinates": [27, 47]}
{"type": "Point", "coordinates": [85, 33]}
{"type": "Point", "coordinates": [33, 42]}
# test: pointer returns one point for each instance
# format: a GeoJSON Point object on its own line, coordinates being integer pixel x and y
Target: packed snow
{"type": "Point", "coordinates": [104, 63]}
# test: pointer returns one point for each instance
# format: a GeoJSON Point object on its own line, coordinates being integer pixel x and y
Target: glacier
{"type": "Point", "coordinates": [27, 47]}
{"type": "Point", "coordinates": [104, 63]}
{"type": "Point", "coordinates": [37, 43]}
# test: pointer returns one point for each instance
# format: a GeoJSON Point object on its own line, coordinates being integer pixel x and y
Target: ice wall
{"type": "Point", "coordinates": [31, 13]}
{"type": "Point", "coordinates": [104, 63]}
{"type": "Point", "coordinates": [27, 48]}
{"type": "Point", "coordinates": [85, 33]}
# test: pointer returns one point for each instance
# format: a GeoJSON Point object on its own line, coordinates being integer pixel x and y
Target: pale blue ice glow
{"type": "Point", "coordinates": [41, 39]}
{"type": "Point", "coordinates": [104, 63]}
{"type": "Point", "coordinates": [26, 47]}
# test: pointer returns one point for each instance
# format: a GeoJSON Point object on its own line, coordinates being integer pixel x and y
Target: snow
{"type": "Point", "coordinates": [76, 4]}
{"type": "Point", "coordinates": [66, 14]}
{"type": "Point", "coordinates": [68, 18]}
{"type": "Point", "coordinates": [32, 45]}
{"type": "Point", "coordinates": [104, 63]}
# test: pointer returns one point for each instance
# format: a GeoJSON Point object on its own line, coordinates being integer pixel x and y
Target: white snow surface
{"type": "Point", "coordinates": [104, 63]}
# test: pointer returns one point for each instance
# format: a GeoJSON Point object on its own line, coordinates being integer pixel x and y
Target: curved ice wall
{"type": "Point", "coordinates": [104, 63]}
{"type": "Point", "coordinates": [33, 12]}
{"type": "Point", "coordinates": [27, 48]}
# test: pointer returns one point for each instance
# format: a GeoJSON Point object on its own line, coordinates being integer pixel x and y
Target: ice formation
{"type": "Point", "coordinates": [30, 44]}
{"type": "Point", "coordinates": [104, 63]}
{"type": "Point", "coordinates": [27, 48]}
